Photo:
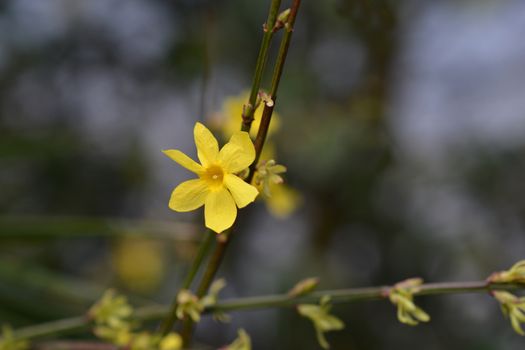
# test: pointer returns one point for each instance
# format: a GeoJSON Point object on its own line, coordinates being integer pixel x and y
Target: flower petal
{"type": "Point", "coordinates": [242, 192]}
{"type": "Point", "coordinates": [183, 160]}
{"type": "Point", "coordinates": [283, 200]}
{"type": "Point", "coordinates": [237, 154]}
{"type": "Point", "coordinates": [219, 210]}
{"type": "Point", "coordinates": [207, 145]}
{"type": "Point", "coordinates": [189, 195]}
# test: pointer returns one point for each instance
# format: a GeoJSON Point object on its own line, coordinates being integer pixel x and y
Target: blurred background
{"type": "Point", "coordinates": [402, 124]}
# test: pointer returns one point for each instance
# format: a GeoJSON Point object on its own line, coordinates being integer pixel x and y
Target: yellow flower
{"type": "Point", "coordinates": [283, 199]}
{"type": "Point", "coordinates": [217, 188]}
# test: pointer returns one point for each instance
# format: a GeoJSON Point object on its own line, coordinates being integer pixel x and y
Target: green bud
{"type": "Point", "coordinates": [283, 16]}
{"type": "Point", "coordinates": [111, 309]}
{"type": "Point", "coordinates": [402, 296]}
{"type": "Point", "coordinates": [516, 274]}
{"type": "Point", "coordinates": [188, 305]}
{"type": "Point", "coordinates": [304, 287]}
{"type": "Point", "coordinates": [282, 20]}
{"type": "Point", "coordinates": [268, 174]}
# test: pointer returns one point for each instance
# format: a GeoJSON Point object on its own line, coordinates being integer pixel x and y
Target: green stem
{"type": "Point", "coordinates": [277, 73]}
{"type": "Point", "coordinates": [249, 109]}
{"type": "Point", "coordinates": [213, 265]}
{"type": "Point", "coordinates": [215, 262]}
{"type": "Point", "coordinates": [57, 287]}
{"type": "Point", "coordinates": [203, 250]}
{"type": "Point", "coordinates": [54, 328]}
{"type": "Point", "coordinates": [23, 227]}
{"type": "Point", "coordinates": [283, 49]}
{"type": "Point", "coordinates": [204, 247]}
{"type": "Point", "coordinates": [338, 296]}
{"type": "Point", "coordinates": [354, 295]}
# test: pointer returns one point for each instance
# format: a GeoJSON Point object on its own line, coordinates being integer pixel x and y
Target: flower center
{"type": "Point", "coordinates": [213, 175]}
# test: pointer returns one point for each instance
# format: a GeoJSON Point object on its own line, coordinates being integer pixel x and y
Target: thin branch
{"type": "Point", "coordinates": [338, 296]}
{"type": "Point", "coordinates": [30, 227]}
{"type": "Point", "coordinates": [211, 269]}
{"type": "Point", "coordinates": [356, 294]}
{"type": "Point", "coordinates": [247, 115]}
{"type": "Point", "coordinates": [54, 328]}
{"type": "Point", "coordinates": [204, 248]}
{"type": "Point", "coordinates": [277, 73]}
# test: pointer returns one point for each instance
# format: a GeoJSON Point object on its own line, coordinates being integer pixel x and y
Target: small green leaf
{"type": "Point", "coordinates": [513, 307]}
{"type": "Point", "coordinates": [322, 320]}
